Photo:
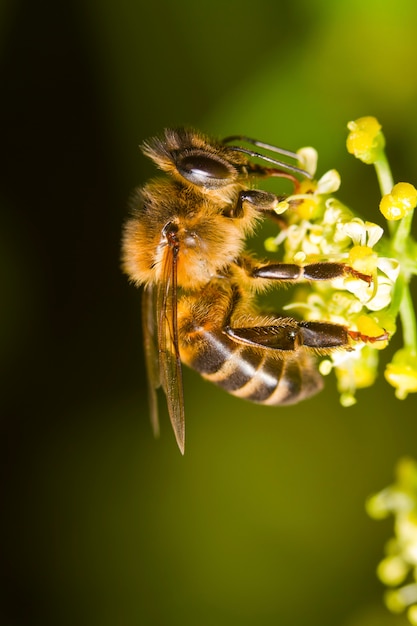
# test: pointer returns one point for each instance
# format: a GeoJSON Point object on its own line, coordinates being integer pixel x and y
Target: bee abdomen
{"type": "Point", "coordinates": [258, 375]}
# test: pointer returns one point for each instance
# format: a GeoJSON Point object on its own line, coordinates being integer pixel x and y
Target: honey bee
{"type": "Point", "coordinates": [185, 242]}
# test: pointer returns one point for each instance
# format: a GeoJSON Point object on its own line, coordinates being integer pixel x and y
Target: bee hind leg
{"type": "Point", "coordinates": [288, 335]}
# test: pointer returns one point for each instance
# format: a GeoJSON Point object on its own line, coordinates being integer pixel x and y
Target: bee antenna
{"type": "Point", "coordinates": [261, 144]}
{"type": "Point", "coordinates": [264, 157]}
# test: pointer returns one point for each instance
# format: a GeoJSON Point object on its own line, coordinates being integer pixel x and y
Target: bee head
{"type": "Point", "coordinates": [189, 156]}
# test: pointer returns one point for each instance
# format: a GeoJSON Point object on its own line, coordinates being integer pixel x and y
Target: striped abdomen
{"type": "Point", "coordinates": [255, 374]}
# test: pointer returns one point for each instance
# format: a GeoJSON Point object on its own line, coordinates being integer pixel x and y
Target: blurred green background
{"type": "Point", "coordinates": [262, 522]}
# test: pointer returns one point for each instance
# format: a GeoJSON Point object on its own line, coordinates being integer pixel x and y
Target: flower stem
{"type": "Point", "coordinates": [408, 321]}
{"type": "Point", "coordinates": [386, 182]}
{"type": "Point", "coordinates": [383, 172]}
{"type": "Point", "coordinates": [402, 233]}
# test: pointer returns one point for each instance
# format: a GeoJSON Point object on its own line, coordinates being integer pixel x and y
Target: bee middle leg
{"type": "Point", "coordinates": [312, 271]}
{"type": "Point", "coordinates": [319, 335]}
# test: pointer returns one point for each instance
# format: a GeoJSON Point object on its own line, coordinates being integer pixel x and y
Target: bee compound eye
{"type": "Point", "coordinates": [205, 170]}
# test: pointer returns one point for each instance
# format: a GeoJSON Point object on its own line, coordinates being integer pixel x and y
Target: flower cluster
{"type": "Point", "coordinates": [398, 570]}
{"type": "Point", "coordinates": [321, 228]}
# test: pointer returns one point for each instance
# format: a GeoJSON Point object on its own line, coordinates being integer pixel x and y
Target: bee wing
{"type": "Point", "coordinates": [169, 356]}
{"type": "Point", "coordinates": [151, 353]}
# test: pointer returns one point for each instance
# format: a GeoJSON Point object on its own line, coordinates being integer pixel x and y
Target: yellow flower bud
{"type": "Point", "coordinates": [347, 400]}
{"type": "Point", "coordinates": [392, 570]}
{"type": "Point", "coordinates": [270, 244]}
{"type": "Point", "coordinates": [391, 209]}
{"type": "Point", "coordinates": [398, 203]}
{"type": "Point", "coordinates": [401, 373]}
{"type": "Point", "coordinates": [405, 193]}
{"type": "Point", "coordinates": [365, 140]}
{"type": "Point", "coordinates": [412, 614]}
{"type": "Point", "coordinates": [401, 200]}
{"type": "Point", "coordinates": [394, 601]}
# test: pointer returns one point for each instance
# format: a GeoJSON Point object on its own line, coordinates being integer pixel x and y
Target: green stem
{"type": "Point", "coordinates": [383, 172]}
{"type": "Point", "coordinates": [386, 182]}
{"type": "Point", "coordinates": [402, 233]}
{"type": "Point", "coordinates": [408, 321]}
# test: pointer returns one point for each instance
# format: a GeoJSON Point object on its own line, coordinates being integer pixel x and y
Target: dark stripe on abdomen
{"type": "Point", "coordinates": [212, 351]}
{"type": "Point", "coordinates": [258, 375]}
{"type": "Point", "coordinates": [240, 370]}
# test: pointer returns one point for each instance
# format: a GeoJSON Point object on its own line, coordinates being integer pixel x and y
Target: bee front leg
{"type": "Point", "coordinates": [263, 201]}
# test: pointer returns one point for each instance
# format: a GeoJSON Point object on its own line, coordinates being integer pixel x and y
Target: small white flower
{"type": "Point", "coordinates": [361, 233]}
{"type": "Point", "coordinates": [383, 295]}
{"type": "Point", "coordinates": [328, 183]}
{"type": "Point", "coordinates": [375, 233]}
{"type": "Point", "coordinates": [336, 212]}
{"type": "Point", "coordinates": [390, 267]}
{"type": "Point", "coordinates": [307, 159]}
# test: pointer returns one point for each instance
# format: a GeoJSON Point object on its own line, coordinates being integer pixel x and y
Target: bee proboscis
{"type": "Point", "coordinates": [185, 242]}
